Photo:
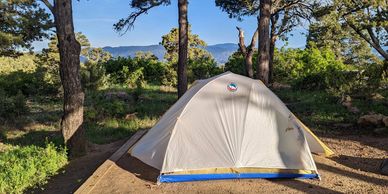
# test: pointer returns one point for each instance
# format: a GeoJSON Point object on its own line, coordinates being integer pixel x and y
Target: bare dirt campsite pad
{"type": "Point", "coordinates": [352, 170]}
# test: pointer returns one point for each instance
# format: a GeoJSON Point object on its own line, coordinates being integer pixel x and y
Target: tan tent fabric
{"type": "Point", "coordinates": [215, 127]}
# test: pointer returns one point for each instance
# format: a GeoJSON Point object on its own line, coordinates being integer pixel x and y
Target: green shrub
{"type": "Point", "coordinates": [101, 106]}
{"type": "Point", "coordinates": [25, 63]}
{"type": "Point", "coordinates": [236, 63]}
{"type": "Point", "coordinates": [29, 74]}
{"type": "Point", "coordinates": [12, 106]}
{"type": "Point", "coordinates": [135, 78]}
{"type": "Point", "coordinates": [202, 68]}
{"type": "Point", "coordinates": [169, 77]}
{"type": "Point", "coordinates": [20, 106]}
{"type": "Point", "coordinates": [30, 166]}
{"type": "Point", "coordinates": [316, 68]}
{"type": "Point", "coordinates": [93, 76]}
{"type": "Point", "coordinates": [146, 68]}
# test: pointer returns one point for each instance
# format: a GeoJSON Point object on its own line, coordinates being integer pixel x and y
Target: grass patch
{"type": "Point", "coordinates": [114, 129]}
{"type": "Point", "coordinates": [114, 118]}
{"type": "Point", "coordinates": [29, 166]}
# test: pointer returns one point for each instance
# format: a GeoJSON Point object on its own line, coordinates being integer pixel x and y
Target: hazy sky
{"type": "Point", "coordinates": [95, 18]}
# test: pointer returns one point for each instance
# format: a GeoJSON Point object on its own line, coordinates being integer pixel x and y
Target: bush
{"type": "Point", "coordinates": [314, 69]}
{"type": "Point", "coordinates": [135, 78]}
{"type": "Point", "coordinates": [101, 106]}
{"type": "Point", "coordinates": [38, 79]}
{"type": "Point", "coordinates": [12, 106]}
{"type": "Point", "coordinates": [318, 68]}
{"type": "Point", "coordinates": [26, 167]}
{"type": "Point", "coordinates": [144, 66]}
{"type": "Point", "coordinates": [93, 76]}
{"type": "Point", "coordinates": [170, 77]}
{"type": "Point", "coordinates": [25, 63]}
{"type": "Point", "coordinates": [236, 63]}
{"type": "Point", "coordinates": [202, 68]}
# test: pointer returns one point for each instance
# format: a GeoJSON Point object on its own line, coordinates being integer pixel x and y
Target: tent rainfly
{"type": "Point", "coordinates": [229, 127]}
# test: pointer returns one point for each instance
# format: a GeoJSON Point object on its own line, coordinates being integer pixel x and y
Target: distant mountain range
{"type": "Point", "coordinates": [220, 52]}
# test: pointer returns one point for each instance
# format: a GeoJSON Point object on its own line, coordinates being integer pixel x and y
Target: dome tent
{"type": "Point", "coordinates": [229, 126]}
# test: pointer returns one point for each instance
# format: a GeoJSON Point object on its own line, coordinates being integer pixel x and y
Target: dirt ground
{"type": "Point", "coordinates": [354, 169]}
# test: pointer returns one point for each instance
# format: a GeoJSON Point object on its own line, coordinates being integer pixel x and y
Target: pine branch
{"type": "Point", "coordinates": [49, 6]}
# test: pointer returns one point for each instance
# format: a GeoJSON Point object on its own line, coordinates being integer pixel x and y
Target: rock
{"type": "Point", "coordinates": [371, 120]}
{"type": "Point", "coordinates": [131, 116]}
{"type": "Point", "coordinates": [384, 167]}
{"type": "Point", "coordinates": [377, 96]}
{"type": "Point", "coordinates": [346, 101]}
{"type": "Point", "coordinates": [385, 121]}
{"type": "Point", "coordinates": [346, 98]}
{"type": "Point", "coordinates": [117, 95]}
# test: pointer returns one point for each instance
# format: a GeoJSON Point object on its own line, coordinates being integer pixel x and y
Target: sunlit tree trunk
{"type": "Point", "coordinates": [264, 41]}
{"type": "Point", "coordinates": [271, 56]}
{"type": "Point", "coordinates": [183, 47]}
{"type": "Point", "coordinates": [69, 50]}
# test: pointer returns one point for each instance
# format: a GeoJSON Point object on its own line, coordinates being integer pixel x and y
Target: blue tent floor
{"type": "Point", "coordinates": [166, 178]}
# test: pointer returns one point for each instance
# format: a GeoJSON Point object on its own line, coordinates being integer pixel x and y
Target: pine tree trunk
{"type": "Point", "coordinates": [69, 50]}
{"type": "Point", "coordinates": [249, 64]}
{"type": "Point", "coordinates": [183, 47]}
{"type": "Point", "coordinates": [264, 41]}
{"type": "Point", "coordinates": [271, 56]}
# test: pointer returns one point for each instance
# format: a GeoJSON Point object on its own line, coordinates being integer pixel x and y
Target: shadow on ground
{"type": "Point", "coordinates": [359, 163]}
{"type": "Point", "coordinates": [352, 175]}
{"type": "Point", "coordinates": [303, 186]}
{"type": "Point", "coordinates": [138, 168]}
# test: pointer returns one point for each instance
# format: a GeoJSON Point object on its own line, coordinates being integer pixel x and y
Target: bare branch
{"type": "Point", "coordinates": [372, 42]}
{"type": "Point", "coordinates": [287, 6]}
{"type": "Point", "coordinates": [126, 24]}
{"type": "Point", "coordinates": [376, 43]}
{"type": "Point", "coordinates": [254, 40]}
{"type": "Point", "coordinates": [241, 38]}
{"type": "Point", "coordinates": [49, 6]}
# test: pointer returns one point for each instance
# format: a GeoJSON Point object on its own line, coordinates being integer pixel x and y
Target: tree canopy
{"type": "Point", "coordinates": [369, 19]}
{"type": "Point", "coordinates": [196, 46]}
{"type": "Point", "coordinates": [285, 14]}
{"type": "Point", "coordinates": [341, 39]}
{"type": "Point", "coordinates": [21, 23]}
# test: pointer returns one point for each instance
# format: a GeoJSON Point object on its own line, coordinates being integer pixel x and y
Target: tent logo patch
{"type": "Point", "coordinates": [232, 87]}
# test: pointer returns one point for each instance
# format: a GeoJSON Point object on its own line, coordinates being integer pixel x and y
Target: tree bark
{"type": "Point", "coordinates": [183, 47]}
{"type": "Point", "coordinates": [272, 52]}
{"type": "Point", "coordinates": [249, 64]}
{"type": "Point", "coordinates": [264, 41]}
{"type": "Point", "coordinates": [247, 52]}
{"type": "Point", "coordinates": [69, 50]}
